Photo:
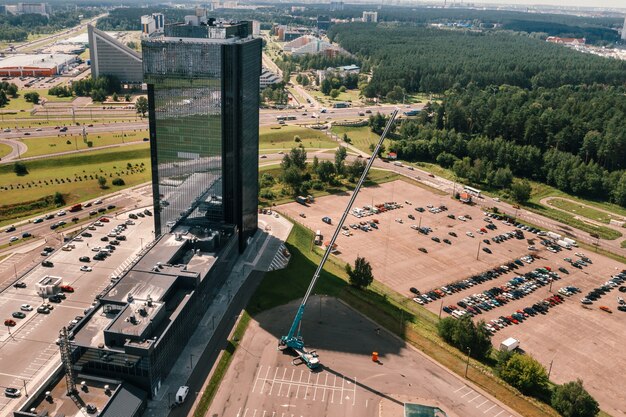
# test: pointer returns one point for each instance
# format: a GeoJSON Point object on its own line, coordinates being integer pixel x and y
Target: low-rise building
{"type": "Point", "coordinates": [566, 41]}
{"type": "Point", "coordinates": [268, 78]}
{"type": "Point", "coordinates": [370, 17]}
{"type": "Point", "coordinates": [35, 65]}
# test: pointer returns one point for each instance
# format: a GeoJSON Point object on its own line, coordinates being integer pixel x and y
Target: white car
{"type": "Point", "coordinates": [14, 239]}
{"type": "Point", "coordinates": [26, 307]}
{"type": "Point", "coordinates": [61, 213]}
{"type": "Point", "coordinates": [96, 249]}
{"type": "Point", "coordinates": [98, 202]}
{"type": "Point", "coordinates": [38, 129]}
{"type": "Point", "coordinates": [470, 234]}
{"type": "Point", "coordinates": [86, 268]}
{"type": "Point", "coordinates": [78, 239]}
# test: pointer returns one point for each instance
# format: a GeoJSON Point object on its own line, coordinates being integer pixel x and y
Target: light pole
{"type": "Point", "coordinates": [469, 351]}
{"type": "Point", "coordinates": [191, 361]}
{"type": "Point", "coordinates": [440, 308]}
{"type": "Point", "coordinates": [25, 392]}
{"type": "Point", "coordinates": [478, 251]}
{"type": "Point", "coordinates": [550, 368]}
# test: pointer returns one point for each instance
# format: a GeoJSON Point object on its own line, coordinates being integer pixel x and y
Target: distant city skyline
{"type": "Point", "coordinates": [561, 3]}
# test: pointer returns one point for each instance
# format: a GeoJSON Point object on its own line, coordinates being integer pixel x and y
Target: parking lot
{"type": "Point", "coordinates": [262, 381]}
{"type": "Point", "coordinates": [31, 344]}
{"type": "Point", "coordinates": [583, 337]}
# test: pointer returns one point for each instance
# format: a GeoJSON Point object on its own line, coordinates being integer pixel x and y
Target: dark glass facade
{"type": "Point", "coordinates": [203, 97]}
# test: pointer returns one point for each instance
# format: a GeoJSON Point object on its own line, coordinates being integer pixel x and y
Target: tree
{"type": "Point", "coordinates": [3, 98]}
{"type": "Point", "coordinates": [292, 177]}
{"type": "Point", "coordinates": [361, 276]}
{"type": "Point", "coordinates": [295, 158]}
{"type": "Point", "coordinates": [141, 105]}
{"type": "Point", "coordinates": [334, 93]}
{"type": "Point", "coordinates": [99, 95]}
{"type": "Point", "coordinates": [32, 97]}
{"type": "Point", "coordinates": [127, 98]}
{"type": "Point", "coordinates": [59, 200]}
{"type": "Point", "coordinates": [326, 86]}
{"type": "Point", "coordinates": [118, 181]}
{"type": "Point", "coordinates": [465, 335]}
{"type": "Point", "coordinates": [20, 169]}
{"type": "Point", "coordinates": [572, 400]}
{"type": "Point", "coordinates": [520, 191]}
{"type": "Point", "coordinates": [325, 170]}
{"type": "Point", "coordinates": [102, 182]}
{"type": "Point", "coordinates": [114, 97]}
{"type": "Point", "coordinates": [12, 90]}
{"type": "Point", "coordinates": [355, 170]}
{"type": "Point", "coordinates": [377, 123]}
{"type": "Point", "coordinates": [340, 156]}
{"type": "Point", "coordinates": [526, 374]}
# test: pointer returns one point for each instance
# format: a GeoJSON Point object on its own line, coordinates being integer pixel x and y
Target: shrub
{"type": "Point", "coordinates": [526, 374]}
{"type": "Point", "coordinates": [465, 335]}
{"type": "Point", "coordinates": [118, 181]}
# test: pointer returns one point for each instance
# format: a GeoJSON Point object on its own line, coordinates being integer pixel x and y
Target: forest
{"type": "Point", "coordinates": [17, 28]}
{"type": "Point", "coordinates": [573, 138]}
{"type": "Point", "coordinates": [421, 59]}
{"type": "Point", "coordinates": [596, 29]}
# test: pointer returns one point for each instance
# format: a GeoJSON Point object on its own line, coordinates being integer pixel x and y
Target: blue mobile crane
{"type": "Point", "coordinates": [293, 340]}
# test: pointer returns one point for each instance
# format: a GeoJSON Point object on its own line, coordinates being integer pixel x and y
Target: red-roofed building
{"type": "Point", "coordinates": [465, 198]}
{"type": "Point", "coordinates": [392, 155]}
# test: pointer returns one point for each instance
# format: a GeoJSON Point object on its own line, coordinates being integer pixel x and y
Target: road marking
{"type": "Point", "coordinates": [245, 412]}
{"type": "Point", "coordinates": [317, 380]}
{"type": "Point", "coordinates": [460, 389]}
{"type": "Point", "coordinates": [274, 379]}
{"type": "Point", "coordinates": [354, 393]}
{"type": "Point", "coordinates": [239, 412]}
{"type": "Point", "coordinates": [343, 382]}
{"type": "Point", "coordinates": [467, 393]}
{"type": "Point", "coordinates": [325, 384]}
{"type": "Point", "coordinates": [257, 378]}
{"type": "Point", "coordinates": [487, 410]}
{"type": "Point", "coordinates": [474, 398]}
{"type": "Point", "coordinates": [501, 411]}
{"type": "Point", "coordinates": [479, 405]}
{"type": "Point", "coordinates": [263, 384]}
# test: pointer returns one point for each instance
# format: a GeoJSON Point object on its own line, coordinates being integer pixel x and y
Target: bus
{"type": "Point", "coordinates": [285, 118]}
{"type": "Point", "coordinates": [472, 191]}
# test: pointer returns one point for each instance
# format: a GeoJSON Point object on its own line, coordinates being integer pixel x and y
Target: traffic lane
{"type": "Point", "coordinates": [42, 230]}
{"type": "Point", "coordinates": [51, 131]}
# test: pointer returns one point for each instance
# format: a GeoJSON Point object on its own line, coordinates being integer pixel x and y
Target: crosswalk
{"type": "Point", "coordinates": [280, 260]}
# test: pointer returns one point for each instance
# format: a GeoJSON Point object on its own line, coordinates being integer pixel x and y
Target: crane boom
{"type": "Point", "coordinates": [293, 339]}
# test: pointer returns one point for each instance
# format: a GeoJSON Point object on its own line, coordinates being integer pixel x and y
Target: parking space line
{"type": "Point", "coordinates": [474, 398]}
{"type": "Point", "coordinates": [325, 385]}
{"type": "Point", "coordinates": [273, 380]}
{"type": "Point", "coordinates": [257, 378]}
{"type": "Point", "coordinates": [501, 411]}
{"type": "Point", "coordinates": [460, 389]}
{"type": "Point", "coordinates": [467, 393]}
{"type": "Point", "coordinates": [487, 410]}
{"type": "Point", "coordinates": [263, 384]}
{"type": "Point", "coordinates": [479, 405]}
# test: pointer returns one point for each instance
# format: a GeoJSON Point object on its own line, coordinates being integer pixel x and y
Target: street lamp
{"type": "Point", "coordinates": [469, 351]}
{"type": "Point", "coordinates": [478, 251]}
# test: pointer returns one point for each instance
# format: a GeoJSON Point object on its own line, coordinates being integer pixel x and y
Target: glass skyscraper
{"type": "Point", "coordinates": [203, 97]}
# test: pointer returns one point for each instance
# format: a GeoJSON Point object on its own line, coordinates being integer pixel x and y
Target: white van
{"type": "Point", "coordinates": [181, 394]}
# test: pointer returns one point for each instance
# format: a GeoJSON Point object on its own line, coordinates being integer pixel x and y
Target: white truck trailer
{"type": "Point", "coordinates": [508, 345]}
{"type": "Point", "coordinates": [563, 244]}
{"type": "Point", "coordinates": [554, 236]}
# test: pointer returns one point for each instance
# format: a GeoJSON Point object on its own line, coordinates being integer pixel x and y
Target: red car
{"type": "Point", "coordinates": [104, 219]}
{"type": "Point", "coordinates": [603, 308]}
{"type": "Point", "coordinates": [67, 288]}
{"type": "Point", "coordinates": [9, 323]}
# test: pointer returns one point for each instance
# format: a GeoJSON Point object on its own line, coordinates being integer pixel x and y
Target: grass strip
{"type": "Point", "coordinates": [222, 366]}
{"type": "Point", "coordinates": [578, 209]}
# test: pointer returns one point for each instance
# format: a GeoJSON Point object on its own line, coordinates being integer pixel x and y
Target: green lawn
{"type": "Point", "coordinates": [361, 137]}
{"type": "Point", "coordinates": [51, 145]}
{"type": "Point", "coordinates": [75, 176]}
{"type": "Point", "coordinates": [8, 120]}
{"type": "Point", "coordinates": [19, 103]}
{"type": "Point", "coordinates": [582, 210]}
{"type": "Point", "coordinates": [350, 96]}
{"type": "Point", "coordinates": [4, 150]}
{"type": "Point", "coordinates": [282, 137]}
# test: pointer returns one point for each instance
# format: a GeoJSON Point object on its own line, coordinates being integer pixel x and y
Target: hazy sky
{"type": "Point", "coordinates": [575, 3]}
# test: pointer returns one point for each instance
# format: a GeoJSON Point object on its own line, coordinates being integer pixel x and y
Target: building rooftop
{"type": "Point", "coordinates": [36, 60]}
